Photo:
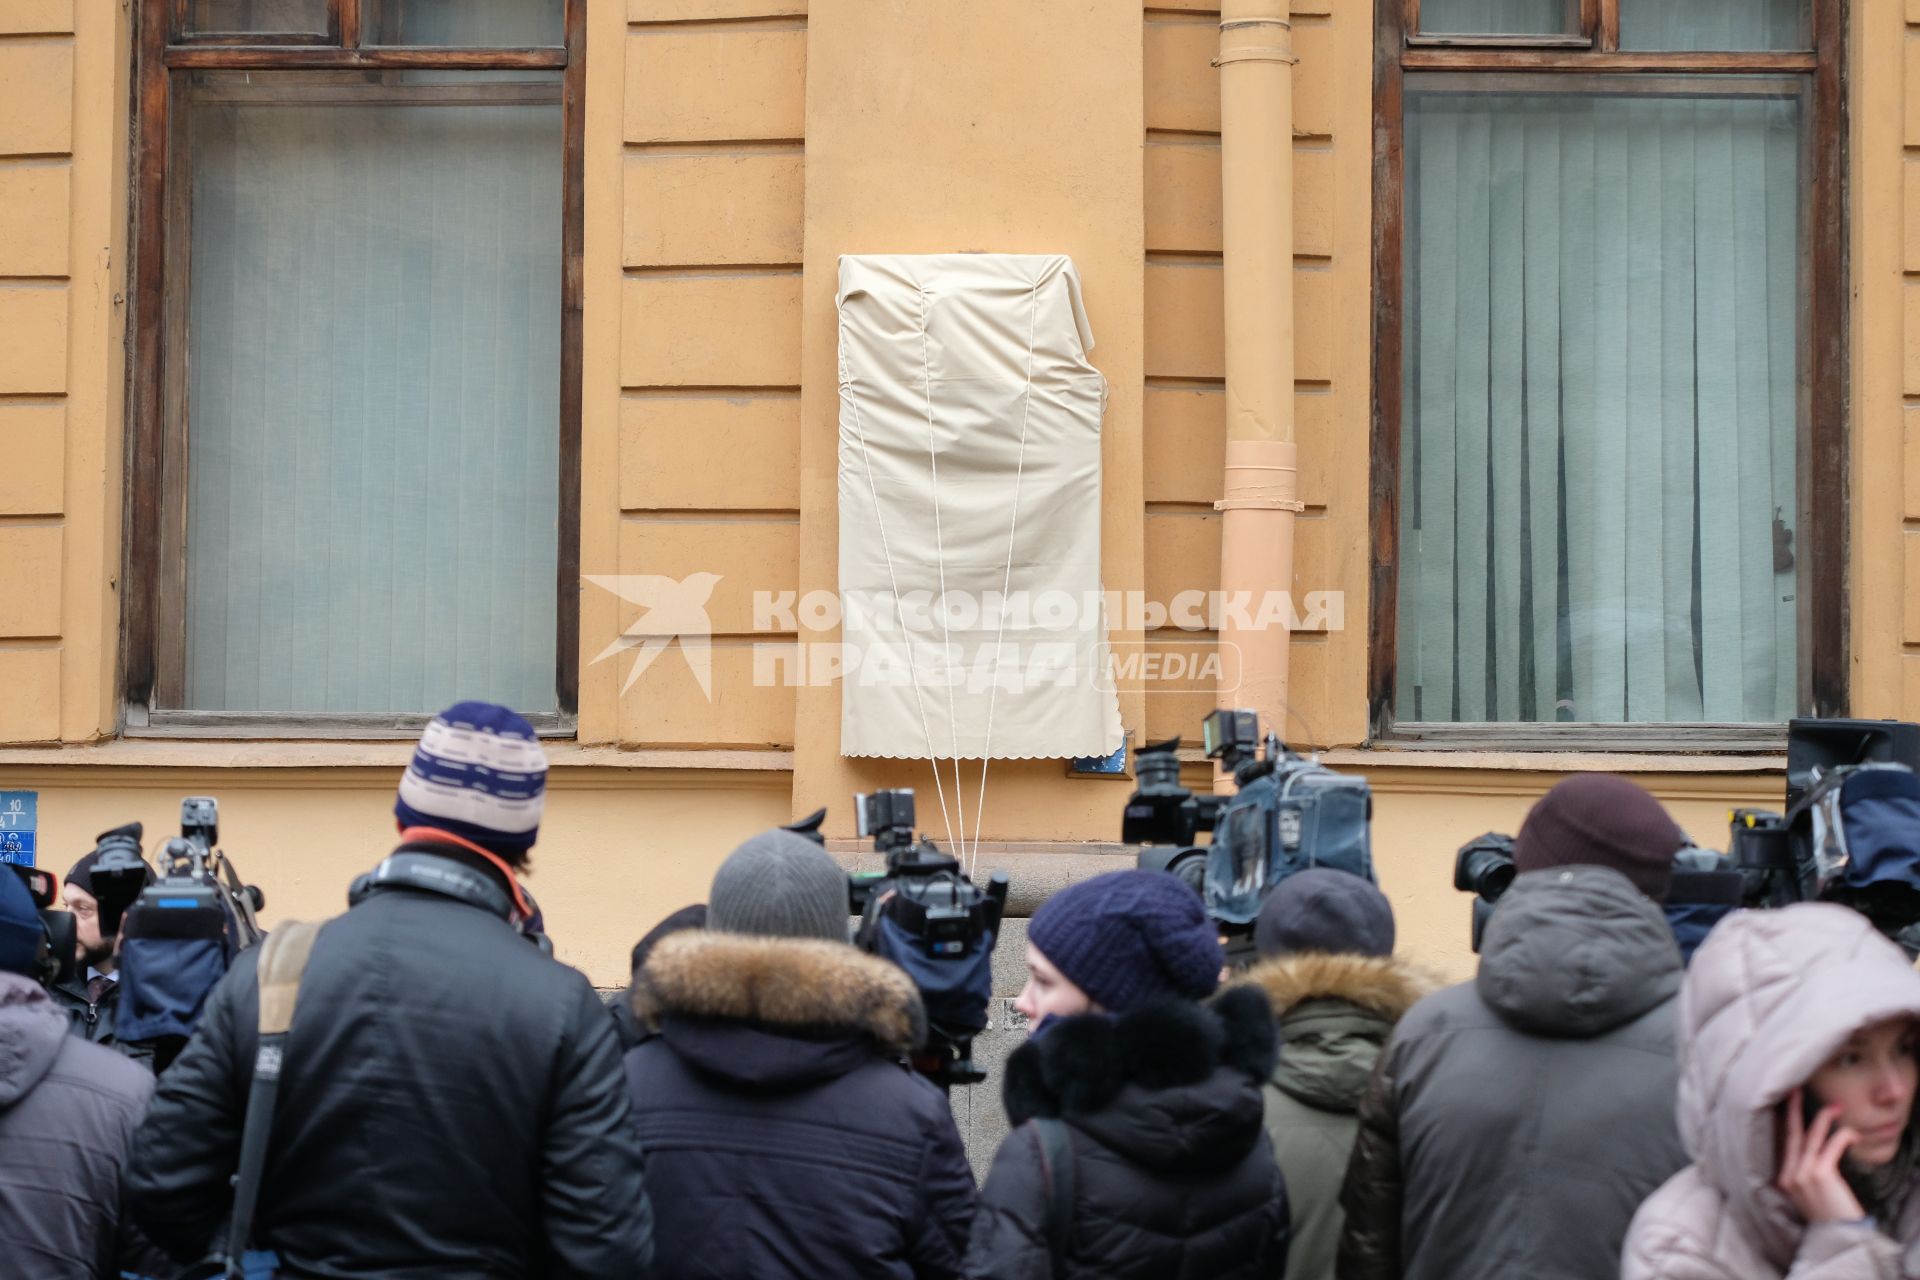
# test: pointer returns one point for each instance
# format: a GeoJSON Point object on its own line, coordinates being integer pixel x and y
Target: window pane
{"type": "Point", "coordinates": [1500, 17]}
{"type": "Point", "coordinates": [374, 396]}
{"type": "Point", "coordinates": [501, 23]}
{"type": "Point", "coordinates": [301, 16]}
{"type": "Point", "coordinates": [1597, 470]}
{"type": "Point", "coordinates": [1720, 25]}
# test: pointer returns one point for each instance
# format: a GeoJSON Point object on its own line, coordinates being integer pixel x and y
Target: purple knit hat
{"type": "Point", "coordinates": [1128, 937]}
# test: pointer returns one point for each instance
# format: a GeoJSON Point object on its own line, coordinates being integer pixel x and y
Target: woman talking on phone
{"type": "Point", "coordinates": [1799, 1057]}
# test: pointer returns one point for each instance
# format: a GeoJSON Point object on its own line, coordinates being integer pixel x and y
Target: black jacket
{"type": "Point", "coordinates": [784, 1138]}
{"type": "Point", "coordinates": [451, 1107]}
{"type": "Point", "coordinates": [95, 1022]}
{"type": "Point", "coordinates": [1514, 1123]}
{"type": "Point", "coordinates": [1174, 1178]}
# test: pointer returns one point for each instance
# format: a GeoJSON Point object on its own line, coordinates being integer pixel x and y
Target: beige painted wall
{"type": "Point", "coordinates": [1884, 161]}
{"type": "Point", "coordinates": [734, 149]}
{"type": "Point", "coordinates": [63, 189]}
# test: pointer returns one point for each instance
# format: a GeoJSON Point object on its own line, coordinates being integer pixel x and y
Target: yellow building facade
{"type": "Point", "coordinates": [731, 152]}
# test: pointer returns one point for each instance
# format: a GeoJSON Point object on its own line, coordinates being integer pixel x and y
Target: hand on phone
{"type": "Point", "coordinates": [1810, 1164]}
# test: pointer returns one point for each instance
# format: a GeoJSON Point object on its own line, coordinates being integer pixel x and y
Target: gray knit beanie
{"type": "Point", "coordinates": [780, 885]}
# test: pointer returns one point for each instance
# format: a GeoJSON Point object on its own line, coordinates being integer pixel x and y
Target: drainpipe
{"type": "Point", "coordinates": [1256, 179]}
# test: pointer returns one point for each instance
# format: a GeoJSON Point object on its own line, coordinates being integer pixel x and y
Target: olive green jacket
{"type": "Point", "coordinates": [1335, 1013]}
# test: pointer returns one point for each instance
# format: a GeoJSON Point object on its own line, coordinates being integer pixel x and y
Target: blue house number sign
{"type": "Point", "coordinates": [19, 825]}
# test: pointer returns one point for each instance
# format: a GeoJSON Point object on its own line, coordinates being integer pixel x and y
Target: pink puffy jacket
{"type": "Point", "coordinates": [1770, 996]}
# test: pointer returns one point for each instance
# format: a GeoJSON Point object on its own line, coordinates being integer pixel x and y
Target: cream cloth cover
{"type": "Point", "coordinates": [970, 442]}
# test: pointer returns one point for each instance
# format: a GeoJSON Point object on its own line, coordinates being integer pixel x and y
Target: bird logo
{"type": "Point", "coordinates": [670, 609]}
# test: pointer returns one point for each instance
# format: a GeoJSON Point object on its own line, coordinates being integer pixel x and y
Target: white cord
{"type": "Point", "coordinates": [940, 561]}
{"type": "Point", "coordinates": [847, 384]}
{"type": "Point", "coordinates": [1006, 582]}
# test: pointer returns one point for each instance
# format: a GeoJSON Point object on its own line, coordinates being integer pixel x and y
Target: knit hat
{"type": "Point", "coordinates": [20, 930]}
{"type": "Point", "coordinates": [1321, 909]}
{"type": "Point", "coordinates": [780, 885]}
{"type": "Point", "coordinates": [693, 917]}
{"type": "Point", "coordinates": [478, 773]}
{"type": "Point", "coordinates": [1128, 937]}
{"type": "Point", "coordinates": [81, 877]}
{"type": "Point", "coordinates": [1602, 820]}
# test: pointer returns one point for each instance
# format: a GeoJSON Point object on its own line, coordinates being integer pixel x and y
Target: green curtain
{"type": "Point", "coordinates": [1599, 417]}
{"type": "Point", "coordinates": [374, 396]}
{"type": "Point", "coordinates": [1498, 17]}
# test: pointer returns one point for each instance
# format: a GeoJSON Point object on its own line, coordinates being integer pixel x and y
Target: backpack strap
{"type": "Point", "coordinates": [1056, 1156]}
{"type": "Point", "coordinates": [283, 960]}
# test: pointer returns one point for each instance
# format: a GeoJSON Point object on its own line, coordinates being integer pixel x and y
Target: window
{"type": "Point", "coordinates": [356, 390]}
{"type": "Point", "coordinates": [1608, 383]}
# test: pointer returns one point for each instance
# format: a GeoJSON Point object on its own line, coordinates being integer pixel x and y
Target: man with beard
{"type": "Point", "coordinates": [91, 995]}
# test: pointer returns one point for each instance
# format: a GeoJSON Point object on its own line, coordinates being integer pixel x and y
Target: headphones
{"type": "Point", "coordinates": [432, 873]}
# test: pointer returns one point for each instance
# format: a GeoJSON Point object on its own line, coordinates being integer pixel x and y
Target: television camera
{"type": "Point", "coordinates": [924, 914]}
{"type": "Point", "coordinates": [59, 961]}
{"type": "Point", "coordinates": [1287, 813]}
{"type": "Point", "coordinates": [1849, 833]}
{"type": "Point", "coordinates": [179, 929]}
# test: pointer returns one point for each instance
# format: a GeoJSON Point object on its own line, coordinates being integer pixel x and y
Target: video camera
{"type": "Point", "coordinates": [60, 960]}
{"type": "Point", "coordinates": [1288, 813]}
{"type": "Point", "coordinates": [1850, 834]}
{"type": "Point", "coordinates": [179, 933]}
{"type": "Point", "coordinates": [924, 914]}
{"type": "Point", "coordinates": [1704, 888]}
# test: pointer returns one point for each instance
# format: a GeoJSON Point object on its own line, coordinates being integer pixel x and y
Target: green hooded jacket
{"type": "Point", "coordinates": [1334, 1013]}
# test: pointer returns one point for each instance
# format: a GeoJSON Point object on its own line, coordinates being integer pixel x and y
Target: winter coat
{"type": "Point", "coordinates": [1334, 1014]}
{"type": "Point", "coordinates": [1516, 1122]}
{"type": "Point", "coordinates": [67, 1110]}
{"type": "Point", "coordinates": [451, 1106]}
{"type": "Point", "coordinates": [92, 1021]}
{"type": "Point", "coordinates": [95, 1022]}
{"type": "Point", "coordinates": [785, 1137]}
{"type": "Point", "coordinates": [1770, 997]}
{"type": "Point", "coordinates": [1173, 1176]}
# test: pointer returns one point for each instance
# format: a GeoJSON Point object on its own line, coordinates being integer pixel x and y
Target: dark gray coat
{"type": "Point", "coordinates": [67, 1110]}
{"type": "Point", "coordinates": [1174, 1178]}
{"type": "Point", "coordinates": [1516, 1122]}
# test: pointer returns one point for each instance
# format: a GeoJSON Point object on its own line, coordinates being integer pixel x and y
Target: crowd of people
{"type": "Point", "coordinates": [452, 1102]}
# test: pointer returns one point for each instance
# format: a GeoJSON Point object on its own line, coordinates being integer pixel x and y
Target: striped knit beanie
{"type": "Point", "coordinates": [480, 774]}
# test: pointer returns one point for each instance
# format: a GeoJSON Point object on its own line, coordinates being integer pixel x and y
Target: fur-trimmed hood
{"type": "Point", "coordinates": [797, 984]}
{"type": "Point", "coordinates": [1379, 985]}
{"type": "Point", "coordinates": [1171, 1085]}
{"type": "Point", "coordinates": [1335, 1013]}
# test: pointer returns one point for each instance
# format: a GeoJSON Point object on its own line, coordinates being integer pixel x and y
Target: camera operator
{"type": "Point", "coordinates": [1515, 1122]}
{"type": "Point", "coordinates": [92, 996]}
{"type": "Point", "coordinates": [785, 1136]}
{"type": "Point", "coordinates": [450, 1100]}
{"type": "Point", "coordinates": [67, 1110]}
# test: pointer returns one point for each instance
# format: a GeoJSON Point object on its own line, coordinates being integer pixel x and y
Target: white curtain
{"type": "Point", "coordinates": [1599, 417]}
{"type": "Point", "coordinates": [374, 400]}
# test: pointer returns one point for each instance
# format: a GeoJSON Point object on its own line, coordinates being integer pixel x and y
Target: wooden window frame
{"type": "Point", "coordinates": [153, 631]}
{"type": "Point", "coordinates": [1821, 456]}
